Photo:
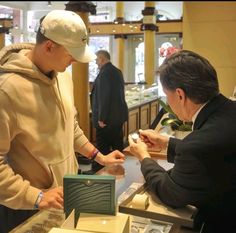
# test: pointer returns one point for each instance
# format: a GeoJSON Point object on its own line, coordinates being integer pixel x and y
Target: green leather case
{"type": "Point", "coordinates": [89, 194]}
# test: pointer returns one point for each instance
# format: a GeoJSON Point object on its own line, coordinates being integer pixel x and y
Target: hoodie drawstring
{"type": "Point", "coordinates": [59, 100]}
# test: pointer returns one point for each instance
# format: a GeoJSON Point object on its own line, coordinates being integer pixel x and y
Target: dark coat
{"type": "Point", "coordinates": [204, 172]}
{"type": "Point", "coordinates": [108, 97]}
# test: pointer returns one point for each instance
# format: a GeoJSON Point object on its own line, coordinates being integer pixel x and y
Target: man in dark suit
{"type": "Point", "coordinates": [109, 108]}
{"type": "Point", "coordinates": [204, 171]}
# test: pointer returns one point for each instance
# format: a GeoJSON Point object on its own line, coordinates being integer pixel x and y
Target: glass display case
{"type": "Point", "coordinates": [136, 94]}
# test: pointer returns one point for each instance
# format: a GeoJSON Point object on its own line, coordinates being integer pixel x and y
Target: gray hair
{"type": "Point", "coordinates": [104, 53]}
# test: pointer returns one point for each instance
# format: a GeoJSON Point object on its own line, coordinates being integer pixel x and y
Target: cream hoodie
{"type": "Point", "coordinates": [38, 130]}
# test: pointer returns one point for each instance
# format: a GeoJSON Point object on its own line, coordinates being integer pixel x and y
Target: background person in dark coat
{"type": "Point", "coordinates": [204, 172]}
{"type": "Point", "coordinates": [109, 108]}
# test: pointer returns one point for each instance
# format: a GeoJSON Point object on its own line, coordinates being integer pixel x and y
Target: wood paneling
{"type": "Point", "coordinates": [144, 116]}
{"type": "Point", "coordinates": [133, 123]}
{"type": "Point", "coordinates": [171, 26]}
{"type": "Point", "coordinates": [153, 111]}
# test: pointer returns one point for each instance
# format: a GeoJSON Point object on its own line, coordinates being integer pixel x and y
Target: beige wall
{"type": "Point", "coordinates": [209, 28]}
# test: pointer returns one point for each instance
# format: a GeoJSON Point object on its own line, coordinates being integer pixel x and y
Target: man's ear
{"type": "Point", "coordinates": [180, 94]}
{"type": "Point", "coordinates": [49, 45]}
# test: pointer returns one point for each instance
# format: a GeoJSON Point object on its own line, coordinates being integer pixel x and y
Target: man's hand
{"type": "Point", "coordinates": [139, 148]}
{"type": "Point", "coordinates": [115, 157]}
{"type": "Point", "coordinates": [101, 124]}
{"type": "Point", "coordinates": [52, 199]}
{"type": "Point", "coordinates": [153, 139]}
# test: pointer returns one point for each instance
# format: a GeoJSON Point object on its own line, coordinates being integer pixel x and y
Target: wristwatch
{"type": "Point", "coordinates": [38, 200]}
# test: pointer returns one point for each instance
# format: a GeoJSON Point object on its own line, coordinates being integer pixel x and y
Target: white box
{"type": "Point", "coordinates": [104, 223]}
{"type": "Point", "coordinates": [99, 223]}
{"type": "Point", "coordinates": [60, 230]}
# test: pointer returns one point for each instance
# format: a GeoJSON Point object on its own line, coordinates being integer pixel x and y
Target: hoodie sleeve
{"type": "Point", "coordinates": [15, 192]}
{"type": "Point", "coordinates": [79, 138]}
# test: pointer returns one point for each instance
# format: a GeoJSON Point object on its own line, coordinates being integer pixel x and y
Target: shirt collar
{"type": "Point", "coordinates": [194, 117]}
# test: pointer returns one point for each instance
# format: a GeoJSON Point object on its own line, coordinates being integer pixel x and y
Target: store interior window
{"type": "Point", "coordinates": [102, 16]}
{"type": "Point", "coordinates": [13, 20]}
{"type": "Point", "coordinates": [166, 45]}
{"type": "Point", "coordinates": [139, 63]}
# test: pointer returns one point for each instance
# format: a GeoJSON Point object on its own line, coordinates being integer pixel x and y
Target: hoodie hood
{"type": "Point", "coordinates": [13, 59]}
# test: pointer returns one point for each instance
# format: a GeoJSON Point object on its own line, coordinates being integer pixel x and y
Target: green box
{"type": "Point", "coordinates": [89, 194]}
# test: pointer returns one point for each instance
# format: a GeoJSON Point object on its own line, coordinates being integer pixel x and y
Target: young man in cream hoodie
{"type": "Point", "coordinates": [39, 134]}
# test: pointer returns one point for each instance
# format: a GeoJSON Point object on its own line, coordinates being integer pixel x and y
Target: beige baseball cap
{"type": "Point", "coordinates": [68, 29]}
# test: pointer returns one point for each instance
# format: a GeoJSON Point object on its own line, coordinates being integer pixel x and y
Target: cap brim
{"type": "Point", "coordinates": [84, 54]}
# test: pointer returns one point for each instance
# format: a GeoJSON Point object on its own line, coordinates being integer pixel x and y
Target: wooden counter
{"type": "Point", "coordinates": [154, 154]}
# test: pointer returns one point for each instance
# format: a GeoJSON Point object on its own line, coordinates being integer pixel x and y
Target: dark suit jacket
{"type": "Point", "coordinates": [108, 97]}
{"type": "Point", "coordinates": [204, 172]}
